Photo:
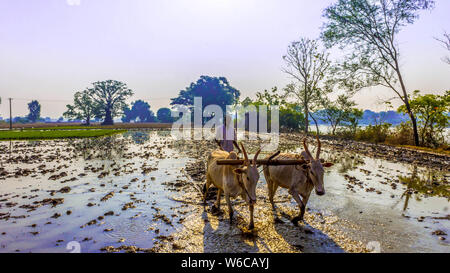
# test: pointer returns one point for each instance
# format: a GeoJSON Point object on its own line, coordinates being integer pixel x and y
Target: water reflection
{"type": "Point", "coordinates": [138, 137]}
{"type": "Point", "coordinates": [427, 183]}
{"type": "Point", "coordinates": [345, 161]}
{"type": "Point", "coordinates": [105, 148]}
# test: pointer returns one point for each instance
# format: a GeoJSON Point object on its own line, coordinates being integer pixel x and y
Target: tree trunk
{"type": "Point", "coordinates": [88, 120]}
{"type": "Point", "coordinates": [315, 122]}
{"type": "Point", "coordinates": [414, 123]}
{"type": "Point", "coordinates": [108, 117]}
{"type": "Point", "coordinates": [306, 119]}
{"type": "Point", "coordinates": [408, 107]}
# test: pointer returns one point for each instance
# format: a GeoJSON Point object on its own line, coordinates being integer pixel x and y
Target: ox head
{"type": "Point", "coordinates": [315, 167]}
{"type": "Point", "coordinates": [249, 176]}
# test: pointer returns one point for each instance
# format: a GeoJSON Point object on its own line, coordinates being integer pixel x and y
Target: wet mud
{"type": "Point", "coordinates": [141, 192]}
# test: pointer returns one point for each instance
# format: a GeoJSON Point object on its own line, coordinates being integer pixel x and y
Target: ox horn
{"type": "Point", "coordinates": [245, 154]}
{"type": "Point", "coordinates": [305, 146]}
{"type": "Point", "coordinates": [256, 157]}
{"type": "Point", "coordinates": [318, 148]}
{"type": "Point", "coordinates": [218, 144]}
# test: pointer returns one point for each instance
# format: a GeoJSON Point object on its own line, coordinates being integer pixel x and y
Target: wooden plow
{"type": "Point", "coordinates": [269, 162]}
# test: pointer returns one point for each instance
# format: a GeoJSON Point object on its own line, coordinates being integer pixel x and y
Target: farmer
{"type": "Point", "coordinates": [226, 134]}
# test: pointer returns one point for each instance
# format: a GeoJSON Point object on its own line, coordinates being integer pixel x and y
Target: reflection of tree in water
{"type": "Point", "coordinates": [431, 183]}
{"type": "Point", "coordinates": [138, 137]}
{"type": "Point", "coordinates": [163, 133]}
{"type": "Point", "coordinates": [345, 161]}
{"type": "Point", "coordinates": [290, 147]}
{"type": "Point", "coordinates": [193, 148]}
{"type": "Point", "coordinates": [109, 147]}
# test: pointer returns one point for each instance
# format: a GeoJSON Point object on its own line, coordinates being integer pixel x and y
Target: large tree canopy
{"type": "Point", "coordinates": [140, 111]}
{"type": "Point", "coordinates": [369, 28]}
{"type": "Point", "coordinates": [213, 90]}
{"type": "Point", "coordinates": [110, 95]}
{"type": "Point", "coordinates": [83, 108]}
{"type": "Point", "coordinates": [164, 115]}
{"type": "Point", "coordinates": [35, 111]}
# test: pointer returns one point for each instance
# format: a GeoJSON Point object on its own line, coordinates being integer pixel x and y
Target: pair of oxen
{"type": "Point", "coordinates": [241, 180]}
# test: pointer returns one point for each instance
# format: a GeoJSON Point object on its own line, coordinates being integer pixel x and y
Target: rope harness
{"type": "Point", "coordinates": [241, 184]}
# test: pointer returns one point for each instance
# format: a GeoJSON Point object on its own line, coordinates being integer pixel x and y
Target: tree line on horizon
{"type": "Point", "coordinates": [366, 33]}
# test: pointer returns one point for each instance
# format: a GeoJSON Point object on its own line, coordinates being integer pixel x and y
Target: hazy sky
{"type": "Point", "coordinates": [50, 49]}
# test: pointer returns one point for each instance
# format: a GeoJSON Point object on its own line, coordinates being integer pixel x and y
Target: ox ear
{"type": "Point", "coordinates": [239, 170]}
{"type": "Point", "coordinates": [327, 165]}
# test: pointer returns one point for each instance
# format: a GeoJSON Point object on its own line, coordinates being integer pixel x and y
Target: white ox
{"type": "Point", "coordinates": [299, 180]}
{"type": "Point", "coordinates": [232, 180]}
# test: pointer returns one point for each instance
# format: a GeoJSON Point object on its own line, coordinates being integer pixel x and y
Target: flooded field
{"type": "Point", "coordinates": [141, 192]}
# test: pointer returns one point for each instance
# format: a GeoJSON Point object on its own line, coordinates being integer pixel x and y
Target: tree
{"type": "Point", "coordinates": [291, 118]}
{"type": "Point", "coordinates": [340, 112]}
{"type": "Point", "coordinates": [213, 90]}
{"type": "Point", "coordinates": [307, 64]}
{"type": "Point", "coordinates": [164, 115]}
{"type": "Point", "coordinates": [432, 115]}
{"type": "Point", "coordinates": [354, 116]}
{"type": "Point", "coordinates": [369, 29]}
{"type": "Point", "coordinates": [35, 111]}
{"type": "Point", "coordinates": [290, 114]}
{"type": "Point", "coordinates": [83, 108]}
{"type": "Point", "coordinates": [335, 112]}
{"type": "Point", "coordinates": [110, 95]}
{"type": "Point", "coordinates": [445, 41]}
{"type": "Point", "coordinates": [139, 110]}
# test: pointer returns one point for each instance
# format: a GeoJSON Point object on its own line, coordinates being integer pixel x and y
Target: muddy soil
{"type": "Point", "coordinates": [387, 152]}
{"type": "Point", "coordinates": [141, 192]}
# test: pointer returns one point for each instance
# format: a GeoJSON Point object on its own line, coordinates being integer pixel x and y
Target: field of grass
{"type": "Point", "coordinates": [77, 126]}
{"type": "Point", "coordinates": [53, 134]}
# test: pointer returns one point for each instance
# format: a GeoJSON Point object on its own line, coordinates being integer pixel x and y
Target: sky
{"type": "Point", "coordinates": [49, 49]}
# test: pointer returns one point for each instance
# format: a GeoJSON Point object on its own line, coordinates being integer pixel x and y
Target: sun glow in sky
{"type": "Point", "coordinates": [49, 49]}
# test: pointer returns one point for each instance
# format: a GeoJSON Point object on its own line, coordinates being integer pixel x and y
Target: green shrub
{"type": "Point", "coordinates": [373, 133]}
{"type": "Point", "coordinates": [401, 135]}
{"type": "Point", "coordinates": [432, 117]}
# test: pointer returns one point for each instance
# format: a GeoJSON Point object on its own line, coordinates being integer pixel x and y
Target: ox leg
{"type": "Point", "coordinates": [219, 195]}
{"type": "Point", "coordinates": [251, 225]}
{"type": "Point", "coordinates": [300, 205]}
{"type": "Point", "coordinates": [304, 202]}
{"type": "Point", "coordinates": [216, 206]}
{"type": "Point", "coordinates": [274, 190]}
{"type": "Point", "coordinates": [270, 185]}
{"type": "Point", "coordinates": [205, 189]}
{"type": "Point", "coordinates": [230, 209]}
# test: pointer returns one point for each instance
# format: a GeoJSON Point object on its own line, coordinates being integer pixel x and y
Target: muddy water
{"type": "Point", "coordinates": [140, 191]}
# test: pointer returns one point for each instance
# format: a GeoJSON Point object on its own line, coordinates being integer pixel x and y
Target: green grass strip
{"type": "Point", "coordinates": [54, 134]}
{"type": "Point", "coordinates": [65, 128]}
